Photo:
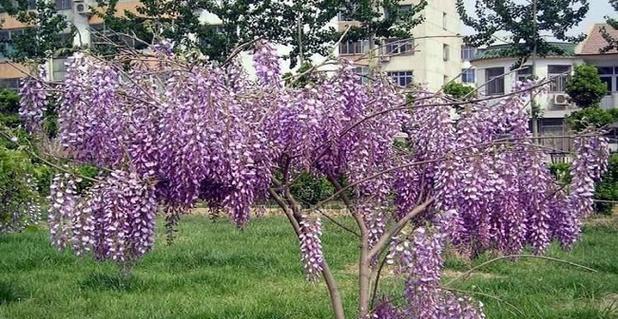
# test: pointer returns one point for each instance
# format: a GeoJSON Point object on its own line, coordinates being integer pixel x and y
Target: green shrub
{"type": "Point", "coordinates": [20, 201]}
{"type": "Point", "coordinates": [585, 87]}
{"type": "Point", "coordinates": [607, 189]}
{"type": "Point", "coordinates": [459, 91]}
{"type": "Point", "coordinates": [310, 189]}
{"type": "Point", "coordinates": [562, 172]}
{"type": "Point", "coordinates": [591, 117]}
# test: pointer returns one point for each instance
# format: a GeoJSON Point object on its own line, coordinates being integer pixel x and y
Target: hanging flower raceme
{"type": "Point", "coordinates": [33, 100]}
{"type": "Point", "coordinates": [311, 247]}
{"type": "Point", "coordinates": [589, 165]}
{"type": "Point", "coordinates": [63, 201]}
{"type": "Point", "coordinates": [266, 63]}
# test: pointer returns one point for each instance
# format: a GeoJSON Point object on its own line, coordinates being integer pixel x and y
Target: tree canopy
{"type": "Point", "coordinates": [586, 88]}
{"type": "Point", "coordinates": [489, 18]}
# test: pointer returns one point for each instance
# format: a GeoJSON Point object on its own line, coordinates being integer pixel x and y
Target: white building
{"type": "Point", "coordinates": [492, 70]}
{"type": "Point", "coordinates": [432, 57]}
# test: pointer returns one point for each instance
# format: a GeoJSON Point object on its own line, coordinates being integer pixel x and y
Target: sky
{"type": "Point", "coordinates": [598, 9]}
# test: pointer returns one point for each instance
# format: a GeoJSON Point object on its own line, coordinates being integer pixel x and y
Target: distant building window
{"type": "Point", "coordinates": [444, 20]}
{"type": "Point", "coordinates": [59, 69]}
{"type": "Point", "coordinates": [468, 76]}
{"type": "Point", "coordinates": [495, 81]}
{"type": "Point", "coordinates": [354, 47]}
{"type": "Point", "coordinates": [608, 75]}
{"type": "Point", "coordinates": [64, 4]}
{"type": "Point", "coordinates": [362, 72]}
{"type": "Point", "coordinates": [468, 53]}
{"type": "Point", "coordinates": [445, 79]}
{"type": "Point", "coordinates": [11, 83]}
{"type": "Point", "coordinates": [401, 78]}
{"type": "Point", "coordinates": [446, 52]}
{"type": "Point", "coordinates": [559, 75]}
{"type": "Point", "coordinates": [398, 46]}
{"type": "Point", "coordinates": [524, 74]}
{"type": "Point", "coordinates": [7, 37]}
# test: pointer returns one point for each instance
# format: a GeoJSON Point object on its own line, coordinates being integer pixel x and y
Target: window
{"type": "Point", "coordinates": [64, 4]}
{"type": "Point", "coordinates": [495, 81]}
{"type": "Point", "coordinates": [402, 11]}
{"type": "Point", "coordinates": [11, 83]}
{"type": "Point", "coordinates": [398, 46]}
{"type": "Point", "coordinates": [401, 78]}
{"type": "Point", "coordinates": [607, 76]}
{"type": "Point", "coordinates": [59, 70]}
{"type": "Point", "coordinates": [354, 47]}
{"type": "Point", "coordinates": [558, 75]}
{"type": "Point", "coordinates": [362, 72]}
{"type": "Point", "coordinates": [524, 74]}
{"type": "Point", "coordinates": [468, 53]}
{"type": "Point", "coordinates": [444, 20]}
{"type": "Point", "coordinates": [445, 79]}
{"type": "Point", "coordinates": [445, 52]}
{"type": "Point", "coordinates": [468, 76]}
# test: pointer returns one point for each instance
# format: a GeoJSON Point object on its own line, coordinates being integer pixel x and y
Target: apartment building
{"type": "Point", "coordinates": [492, 70]}
{"type": "Point", "coordinates": [78, 15]}
{"type": "Point", "coordinates": [432, 57]}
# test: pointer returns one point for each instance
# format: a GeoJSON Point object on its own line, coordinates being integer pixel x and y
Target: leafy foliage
{"type": "Point", "coordinates": [45, 35]}
{"type": "Point", "coordinates": [517, 18]}
{"type": "Point", "coordinates": [459, 90]}
{"type": "Point", "coordinates": [607, 189]}
{"type": "Point", "coordinates": [19, 204]}
{"type": "Point", "coordinates": [242, 21]}
{"type": "Point", "coordinates": [585, 87]}
{"type": "Point", "coordinates": [591, 117]}
{"type": "Point", "coordinates": [612, 43]}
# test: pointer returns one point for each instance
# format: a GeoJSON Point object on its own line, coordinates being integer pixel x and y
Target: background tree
{"type": "Point", "coordinates": [47, 33]}
{"type": "Point", "coordinates": [586, 88]}
{"type": "Point", "coordinates": [612, 43]}
{"type": "Point", "coordinates": [300, 25]}
{"type": "Point", "coordinates": [524, 24]}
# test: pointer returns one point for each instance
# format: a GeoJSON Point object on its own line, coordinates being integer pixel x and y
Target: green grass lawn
{"type": "Point", "coordinates": [215, 271]}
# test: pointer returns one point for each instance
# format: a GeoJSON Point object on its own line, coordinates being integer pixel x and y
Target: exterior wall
{"type": "Point", "coordinates": [441, 26]}
{"type": "Point", "coordinates": [545, 100]}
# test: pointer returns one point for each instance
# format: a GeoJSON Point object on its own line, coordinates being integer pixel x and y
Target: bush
{"type": "Point", "coordinates": [591, 117]}
{"type": "Point", "coordinates": [459, 91]}
{"type": "Point", "coordinates": [607, 189]}
{"type": "Point", "coordinates": [19, 206]}
{"type": "Point", "coordinates": [310, 189]}
{"type": "Point", "coordinates": [585, 87]}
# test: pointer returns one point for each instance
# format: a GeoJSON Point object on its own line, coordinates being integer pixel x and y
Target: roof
{"type": "Point", "coordinates": [594, 42]}
{"type": "Point", "coordinates": [503, 51]}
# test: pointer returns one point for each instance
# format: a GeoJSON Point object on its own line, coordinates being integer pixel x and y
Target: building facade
{"type": "Point", "coordinates": [431, 58]}
{"type": "Point", "coordinates": [494, 76]}
{"type": "Point", "coordinates": [78, 15]}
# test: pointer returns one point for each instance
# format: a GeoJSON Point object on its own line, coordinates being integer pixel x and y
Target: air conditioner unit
{"type": "Point", "coordinates": [81, 7]}
{"type": "Point", "coordinates": [561, 99]}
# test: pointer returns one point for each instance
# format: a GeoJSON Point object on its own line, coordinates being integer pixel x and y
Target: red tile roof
{"type": "Point", "coordinates": [594, 42]}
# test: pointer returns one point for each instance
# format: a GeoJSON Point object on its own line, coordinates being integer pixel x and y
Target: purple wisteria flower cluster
{"type": "Point", "coordinates": [169, 134]}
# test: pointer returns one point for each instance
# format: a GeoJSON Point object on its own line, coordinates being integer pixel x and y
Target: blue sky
{"type": "Point", "coordinates": [598, 9]}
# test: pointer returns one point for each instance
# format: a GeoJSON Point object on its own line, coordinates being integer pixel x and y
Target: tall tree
{"type": "Point", "coordinates": [46, 34]}
{"type": "Point", "coordinates": [612, 43]}
{"type": "Point", "coordinates": [525, 23]}
{"type": "Point", "coordinates": [301, 25]}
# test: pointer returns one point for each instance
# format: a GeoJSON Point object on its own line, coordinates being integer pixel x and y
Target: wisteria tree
{"type": "Point", "coordinates": [167, 133]}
